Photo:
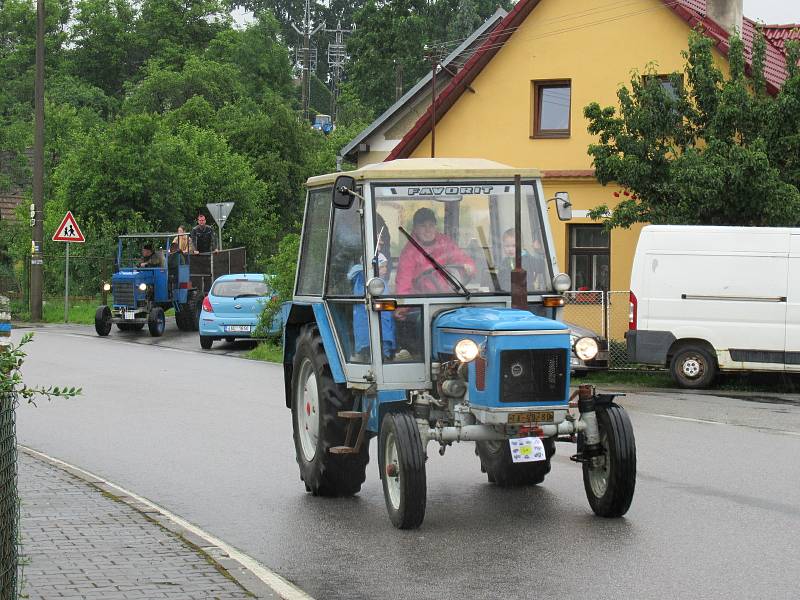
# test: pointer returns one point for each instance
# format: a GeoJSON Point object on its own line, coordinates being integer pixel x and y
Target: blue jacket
{"type": "Point", "coordinates": [361, 321]}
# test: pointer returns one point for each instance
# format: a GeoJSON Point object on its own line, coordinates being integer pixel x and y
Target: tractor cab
{"type": "Point", "coordinates": [427, 308]}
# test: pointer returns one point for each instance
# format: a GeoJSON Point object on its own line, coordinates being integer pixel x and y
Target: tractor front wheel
{"type": "Point", "coordinates": [402, 464]}
{"type": "Point", "coordinates": [156, 321]}
{"type": "Point", "coordinates": [316, 402]}
{"type": "Point", "coordinates": [500, 469]}
{"type": "Point", "coordinates": [609, 479]}
{"type": "Point", "coordinates": [102, 321]}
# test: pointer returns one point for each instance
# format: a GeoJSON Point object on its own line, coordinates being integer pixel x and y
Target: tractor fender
{"type": "Point", "coordinates": [296, 317]}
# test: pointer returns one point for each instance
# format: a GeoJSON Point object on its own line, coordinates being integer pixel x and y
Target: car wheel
{"type": "Point", "coordinates": [206, 341]}
{"type": "Point", "coordinates": [316, 402]}
{"type": "Point", "coordinates": [693, 367]}
{"type": "Point", "coordinates": [230, 340]}
{"type": "Point", "coordinates": [500, 469]}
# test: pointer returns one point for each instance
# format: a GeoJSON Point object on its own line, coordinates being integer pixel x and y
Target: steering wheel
{"type": "Point", "coordinates": [437, 279]}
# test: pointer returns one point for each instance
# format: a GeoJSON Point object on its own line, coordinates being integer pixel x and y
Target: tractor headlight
{"type": "Point", "coordinates": [142, 287]}
{"type": "Point", "coordinates": [586, 348]}
{"type": "Point", "coordinates": [106, 287]}
{"type": "Point", "coordinates": [467, 351]}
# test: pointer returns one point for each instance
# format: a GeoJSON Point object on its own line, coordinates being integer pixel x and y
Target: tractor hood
{"type": "Point", "coordinates": [495, 319]}
{"type": "Point", "coordinates": [478, 323]}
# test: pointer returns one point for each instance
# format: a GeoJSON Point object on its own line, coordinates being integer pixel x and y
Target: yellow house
{"type": "Point", "coordinates": [519, 100]}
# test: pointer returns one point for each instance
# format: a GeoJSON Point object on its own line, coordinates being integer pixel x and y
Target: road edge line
{"type": "Point", "coordinates": [277, 584]}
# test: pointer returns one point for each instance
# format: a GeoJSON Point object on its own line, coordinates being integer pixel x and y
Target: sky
{"type": "Point", "coordinates": [773, 11]}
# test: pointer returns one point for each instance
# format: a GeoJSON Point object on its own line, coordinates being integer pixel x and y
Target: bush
{"type": "Point", "coordinates": [281, 270]}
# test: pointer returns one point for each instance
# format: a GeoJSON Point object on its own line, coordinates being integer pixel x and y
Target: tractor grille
{"type": "Point", "coordinates": [533, 375]}
{"type": "Point", "coordinates": [123, 293]}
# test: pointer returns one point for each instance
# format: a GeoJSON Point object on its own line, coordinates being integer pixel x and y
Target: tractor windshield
{"type": "Point", "coordinates": [466, 228]}
{"type": "Point", "coordinates": [136, 251]}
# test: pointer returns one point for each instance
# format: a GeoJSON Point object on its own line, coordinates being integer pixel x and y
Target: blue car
{"type": "Point", "coordinates": [233, 306]}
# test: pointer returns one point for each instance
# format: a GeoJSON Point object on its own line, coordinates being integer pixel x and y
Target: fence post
{"type": "Point", "coordinates": [9, 504]}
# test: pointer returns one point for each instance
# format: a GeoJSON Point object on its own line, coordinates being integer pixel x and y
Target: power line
{"type": "Point", "coordinates": [337, 54]}
{"type": "Point", "coordinates": [308, 31]}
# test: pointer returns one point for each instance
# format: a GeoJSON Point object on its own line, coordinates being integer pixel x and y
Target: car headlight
{"type": "Point", "coordinates": [143, 287]}
{"type": "Point", "coordinates": [106, 287]}
{"type": "Point", "coordinates": [467, 351]}
{"type": "Point", "coordinates": [586, 348]}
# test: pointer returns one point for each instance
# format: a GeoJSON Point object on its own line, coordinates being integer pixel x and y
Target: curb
{"type": "Point", "coordinates": [256, 579]}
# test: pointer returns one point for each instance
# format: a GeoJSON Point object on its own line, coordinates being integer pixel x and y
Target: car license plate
{"type": "Point", "coordinates": [237, 328]}
{"type": "Point", "coordinates": [130, 314]}
{"type": "Point", "coordinates": [536, 416]}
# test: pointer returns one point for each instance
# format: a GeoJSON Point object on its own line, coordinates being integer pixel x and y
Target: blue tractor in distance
{"type": "Point", "coordinates": [323, 123]}
{"type": "Point", "coordinates": [427, 311]}
{"type": "Point", "coordinates": [144, 288]}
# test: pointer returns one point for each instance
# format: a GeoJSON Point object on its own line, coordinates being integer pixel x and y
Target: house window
{"type": "Point", "coordinates": [589, 257]}
{"type": "Point", "coordinates": [667, 84]}
{"type": "Point", "coordinates": [551, 104]}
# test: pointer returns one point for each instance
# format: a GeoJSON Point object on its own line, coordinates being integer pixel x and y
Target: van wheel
{"type": "Point", "coordinates": [693, 367]}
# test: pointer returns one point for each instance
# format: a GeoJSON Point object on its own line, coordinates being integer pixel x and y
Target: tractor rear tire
{"type": "Point", "coordinates": [102, 321]}
{"type": "Point", "coordinates": [501, 470]}
{"type": "Point", "coordinates": [316, 401]}
{"type": "Point", "coordinates": [609, 486]}
{"type": "Point", "coordinates": [402, 466]}
{"type": "Point", "coordinates": [156, 322]}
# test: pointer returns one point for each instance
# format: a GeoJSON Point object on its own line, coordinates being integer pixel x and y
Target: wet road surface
{"type": "Point", "coordinates": [716, 512]}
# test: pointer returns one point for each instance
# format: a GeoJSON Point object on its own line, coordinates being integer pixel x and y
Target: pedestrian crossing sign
{"type": "Point", "coordinates": [68, 231]}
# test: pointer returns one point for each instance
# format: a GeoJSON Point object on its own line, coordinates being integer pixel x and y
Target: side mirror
{"type": "Point", "coordinates": [563, 206]}
{"type": "Point", "coordinates": [343, 191]}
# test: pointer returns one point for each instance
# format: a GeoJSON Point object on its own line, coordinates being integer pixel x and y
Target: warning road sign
{"type": "Point", "coordinates": [68, 231]}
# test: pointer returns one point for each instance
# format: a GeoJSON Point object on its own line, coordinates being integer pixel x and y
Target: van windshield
{"type": "Point", "coordinates": [467, 228]}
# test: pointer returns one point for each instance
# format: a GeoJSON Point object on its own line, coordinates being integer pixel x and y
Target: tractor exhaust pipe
{"type": "Point", "coordinates": [519, 278]}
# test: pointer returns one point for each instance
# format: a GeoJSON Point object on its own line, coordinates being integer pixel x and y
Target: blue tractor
{"type": "Point", "coordinates": [323, 123]}
{"type": "Point", "coordinates": [427, 309]}
{"type": "Point", "coordinates": [149, 280]}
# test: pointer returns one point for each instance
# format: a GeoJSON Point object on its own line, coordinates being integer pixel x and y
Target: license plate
{"type": "Point", "coordinates": [536, 416]}
{"type": "Point", "coordinates": [237, 328]}
{"type": "Point", "coordinates": [130, 314]}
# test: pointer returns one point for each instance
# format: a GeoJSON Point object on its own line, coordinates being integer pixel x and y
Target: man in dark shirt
{"type": "Point", "coordinates": [203, 238]}
{"type": "Point", "coordinates": [150, 259]}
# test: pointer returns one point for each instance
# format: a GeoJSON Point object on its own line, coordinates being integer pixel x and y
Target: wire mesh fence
{"type": "Point", "coordinates": [606, 314]}
{"type": "Point", "coordinates": [9, 502]}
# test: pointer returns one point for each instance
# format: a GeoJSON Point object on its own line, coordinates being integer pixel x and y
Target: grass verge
{"type": "Point", "coordinates": [268, 351]}
{"type": "Point", "coordinates": [776, 383]}
{"type": "Point", "coordinates": [80, 311]}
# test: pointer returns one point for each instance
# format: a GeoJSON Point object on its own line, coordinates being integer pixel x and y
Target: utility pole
{"type": "Point", "coordinates": [433, 56]}
{"type": "Point", "coordinates": [398, 80]}
{"type": "Point", "coordinates": [336, 57]}
{"type": "Point", "coordinates": [38, 172]}
{"type": "Point", "coordinates": [307, 32]}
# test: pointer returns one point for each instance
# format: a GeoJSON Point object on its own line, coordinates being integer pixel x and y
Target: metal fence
{"type": "Point", "coordinates": [605, 313]}
{"type": "Point", "coordinates": [9, 503]}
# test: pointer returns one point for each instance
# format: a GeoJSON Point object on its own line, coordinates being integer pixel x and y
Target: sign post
{"type": "Point", "coordinates": [68, 232]}
{"type": "Point", "coordinates": [220, 212]}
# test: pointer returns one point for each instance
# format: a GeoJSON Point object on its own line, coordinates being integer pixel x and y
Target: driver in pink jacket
{"type": "Point", "coordinates": [415, 273]}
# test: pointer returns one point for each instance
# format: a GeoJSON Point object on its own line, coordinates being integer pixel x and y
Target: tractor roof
{"type": "Point", "coordinates": [430, 168]}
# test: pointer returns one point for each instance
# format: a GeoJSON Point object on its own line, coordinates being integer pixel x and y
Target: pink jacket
{"type": "Point", "coordinates": [412, 263]}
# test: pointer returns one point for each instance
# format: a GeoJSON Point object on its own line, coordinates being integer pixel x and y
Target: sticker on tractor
{"type": "Point", "coordinates": [529, 449]}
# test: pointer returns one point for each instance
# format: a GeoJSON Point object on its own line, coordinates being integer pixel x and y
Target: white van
{"type": "Point", "coordinates": [709, 299]}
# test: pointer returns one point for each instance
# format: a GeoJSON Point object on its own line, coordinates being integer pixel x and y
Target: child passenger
{"type": "Point", "coordinates": [360, 321]}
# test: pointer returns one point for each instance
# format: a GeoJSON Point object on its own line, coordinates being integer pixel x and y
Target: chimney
{"type": "Point", "coordinates": [727, 14]}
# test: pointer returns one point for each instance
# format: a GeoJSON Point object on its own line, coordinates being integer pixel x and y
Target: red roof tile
{"type": "Point", "coordinates": [691, 11]}
{"type": "Point", "coordinates": [780, 34]}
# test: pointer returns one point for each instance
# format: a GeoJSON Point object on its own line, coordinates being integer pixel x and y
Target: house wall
{"type": "Point", "coordinates": [597, 48]}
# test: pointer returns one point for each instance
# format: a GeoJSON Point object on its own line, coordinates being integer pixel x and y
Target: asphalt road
{"type": "Point", "coordinates": [716, 512]}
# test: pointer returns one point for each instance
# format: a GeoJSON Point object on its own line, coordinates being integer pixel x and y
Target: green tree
{"type": "Point", "coordinates": [105, 49]}
{"type": "Point", "coordinates": [709, 152]}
